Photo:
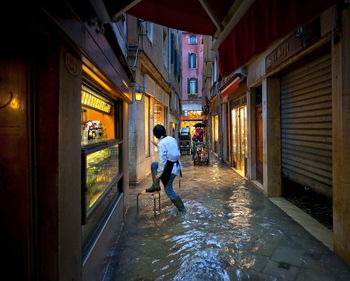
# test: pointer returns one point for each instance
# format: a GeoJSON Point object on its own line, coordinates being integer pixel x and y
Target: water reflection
{"type": "Point", "coordinates": [227, 233]}
{"type": "Point", "coordinates": [203, 244]}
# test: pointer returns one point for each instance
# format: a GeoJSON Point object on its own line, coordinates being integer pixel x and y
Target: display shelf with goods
{"type": "Point", "coordinates": [101, 185]}
{"type": "Point", "coordinates": [102, 168]}
{"type": "Point", "coordinates": [97, 118]}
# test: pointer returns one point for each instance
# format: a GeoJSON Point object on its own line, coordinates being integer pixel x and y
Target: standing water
{"type": "Point", "coordinates": [230, 231]}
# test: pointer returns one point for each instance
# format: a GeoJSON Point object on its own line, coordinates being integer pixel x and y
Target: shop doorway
{"type": "Point", "coordinates": [16, 190]}
{"type": "Point", "coordinates": [259, 144]}
{"type": "Point", "coordinates": [215, 132]}
{"type": "Point", "coordinates": [239, 139]}
{"type": "Point", "coordinates": [159, 118]}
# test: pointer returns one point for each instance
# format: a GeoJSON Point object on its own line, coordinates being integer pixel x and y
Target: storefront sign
{"type": "Point", "coordinates": [192, 115]}
{"type": "Point", "coordinates": [299, 40]}
{"type": "Point", "coordinates": [93, 101]}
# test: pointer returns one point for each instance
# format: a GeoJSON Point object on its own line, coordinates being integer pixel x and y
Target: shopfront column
{"type": "Point", "coordinates": [341, 139]}
{"type": "Point", "coordinates": [125, 163]}
{"type": "Point", "coordinates": [251, 135]}
{"type": "Point", "coordinates": [271, 137]}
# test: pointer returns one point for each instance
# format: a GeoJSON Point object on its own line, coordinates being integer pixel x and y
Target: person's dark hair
{"type": "Point", "coordinates": [159, 131]}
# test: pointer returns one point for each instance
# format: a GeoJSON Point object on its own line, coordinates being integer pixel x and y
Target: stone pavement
{"type": "Point", "coordinates": [230, 231]}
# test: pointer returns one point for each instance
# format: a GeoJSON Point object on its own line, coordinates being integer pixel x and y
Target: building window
{"type": "Point", "coordinates": [172, 48]}
{"type": "Point", "coordinates": [165, 49]}
{"type": "Point", "coordinates": [176, 62]}
{"type": "Point", "coordinates": [192, 39]}
{"type": "Point", "coordinates": [215, 69]}
{"type": "Point", "coordinates": [192, 60]}
{"type": "Point", "coordinates": [192, 86]}
{"type": "Point", "coordinates": [147, 125]}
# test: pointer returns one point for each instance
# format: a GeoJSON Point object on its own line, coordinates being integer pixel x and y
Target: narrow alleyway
{"type": "Point", "coordinates": [229, 232]}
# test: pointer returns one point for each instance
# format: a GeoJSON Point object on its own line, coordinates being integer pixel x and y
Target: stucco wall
{"type": "Point", "coordinates": [186, 71]}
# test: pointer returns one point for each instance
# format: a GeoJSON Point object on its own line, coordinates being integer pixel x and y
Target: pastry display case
{"type": "Point", "coordinates": [101, 169]}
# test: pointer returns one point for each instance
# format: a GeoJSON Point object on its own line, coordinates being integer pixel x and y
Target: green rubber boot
{"type": "Point", "coordinates": [179, 204]}
{"type": "Point", "coordinates": [155, 185]}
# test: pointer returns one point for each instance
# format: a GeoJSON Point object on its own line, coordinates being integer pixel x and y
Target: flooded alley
{"type": "Point", "coordinates": [230, 231]}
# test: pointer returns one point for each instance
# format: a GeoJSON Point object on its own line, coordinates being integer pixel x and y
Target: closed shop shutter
{"type": "Point", "coordinates": [306, 124]}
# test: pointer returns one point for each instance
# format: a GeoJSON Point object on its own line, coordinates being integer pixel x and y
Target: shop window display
{"type": "Point", "coordinates": [159, 118]}
{"type": "Point", "coordinates": [101, 168]}
{"type": "Point", "coordinates": [190, 118]}
{"type": "Point", "coordinates": [97, 117]}
{"type": "Point", "coordinates": [101, 142]}
{"type": "Point", "coordinates": [239, 139]}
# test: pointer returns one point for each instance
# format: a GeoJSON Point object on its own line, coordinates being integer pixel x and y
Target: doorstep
{"type": "Point", "coordinates": [316, 229]}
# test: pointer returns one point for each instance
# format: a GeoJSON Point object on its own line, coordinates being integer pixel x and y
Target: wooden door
{"type": "Point", "coordinates": [16, 235]}
{"type": "Point", "coordinates": [259, 145]}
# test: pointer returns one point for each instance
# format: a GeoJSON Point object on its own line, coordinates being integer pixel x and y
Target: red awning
{"type": "Point", "coordinates": [233, 85]}
{"type": "Point", "coordinates": [262, 23]}
{"type": "Point", "coordinates": [180, 14]}
{"type": "Point", "coordinates": [197, 16]}
{"type": "Point", "coordinates": [265, 22]}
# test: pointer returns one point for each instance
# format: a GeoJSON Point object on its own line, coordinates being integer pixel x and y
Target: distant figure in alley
{"type": "Point", "coordinates": [167, 167]}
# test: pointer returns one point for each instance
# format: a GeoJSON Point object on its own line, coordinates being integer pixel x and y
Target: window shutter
{"type": "Point", "coordinates": [196, 85]}
{"type": "Point", "coordinates": [194, 61]}
{"type": "Point", "coordinates": [172, 47]}
{"type": "Point", "coordinates": [178, 65]}
{"type": "Point", "coordinates": [188, 85]}
{"type": "Point", "coordinates": [189, 60]}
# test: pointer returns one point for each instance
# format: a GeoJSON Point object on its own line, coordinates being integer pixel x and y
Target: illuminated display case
{"type": "Point", "coordinates": [101, 170]}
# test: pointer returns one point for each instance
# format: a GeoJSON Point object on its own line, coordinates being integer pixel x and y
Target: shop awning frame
{"type": "Point", "coordinates": [242, 28]}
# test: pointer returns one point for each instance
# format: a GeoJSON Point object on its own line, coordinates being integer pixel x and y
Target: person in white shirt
{"type": "Point", "coordinates": [167, 167]}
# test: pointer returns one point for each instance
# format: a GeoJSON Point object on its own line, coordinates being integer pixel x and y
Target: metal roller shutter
{"type": "Point", "coordinates": [306, 124]}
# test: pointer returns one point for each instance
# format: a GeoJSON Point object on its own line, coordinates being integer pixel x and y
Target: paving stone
{"type": "Point", "coordinates": [259, 263]}
{"type": "Point", "coordinates": [312, 262]}
{"type": "Point", "coordinates": [272, 268]}
{"type": "Point", "coordinates": [288, 255]}
{"type": "Point", "coordinates": [267, 245]}
{"type": "Point", "coordinates": [312, 275]}
{"type": "Point", "coordinates": [260, 276]}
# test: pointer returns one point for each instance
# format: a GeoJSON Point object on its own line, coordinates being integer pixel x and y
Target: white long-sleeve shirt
{"type": "Point", "coordinates": [168, 150]}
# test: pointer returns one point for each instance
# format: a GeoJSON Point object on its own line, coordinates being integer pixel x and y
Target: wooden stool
{"type": "Point", "coordinates": [153, 195]}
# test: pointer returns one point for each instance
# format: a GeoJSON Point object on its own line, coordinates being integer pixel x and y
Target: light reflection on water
{"type": "Point", "coordinates": [209, 242]}
{"type": "Point", "coordinates": [227, 233]}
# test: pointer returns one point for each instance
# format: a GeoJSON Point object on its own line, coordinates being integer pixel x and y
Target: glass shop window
{"type": "Point", "coordinates": [97, 117]}
{"type": "Point", "coordinates": [159, 118]}
{"type": "Point", "coordinates": [101, 149]}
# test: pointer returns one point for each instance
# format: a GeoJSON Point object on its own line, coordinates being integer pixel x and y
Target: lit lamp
{"type": "Point", "coordinates": [138, 94]}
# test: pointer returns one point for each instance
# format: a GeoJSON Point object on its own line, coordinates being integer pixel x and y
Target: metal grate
{"type": "Point", "coordinates": [306, 125]}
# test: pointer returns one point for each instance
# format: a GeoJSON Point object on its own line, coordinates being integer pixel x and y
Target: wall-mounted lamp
{"type": "Point", "coordinates": [138, 94]}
